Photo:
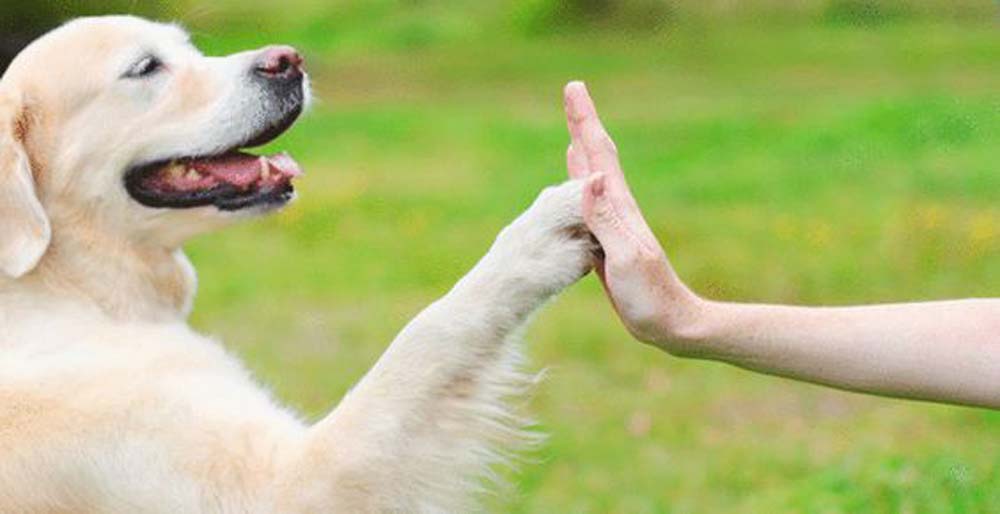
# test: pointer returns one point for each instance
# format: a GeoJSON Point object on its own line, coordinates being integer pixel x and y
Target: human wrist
{"type": "Point", "coordinates": [685, 326]}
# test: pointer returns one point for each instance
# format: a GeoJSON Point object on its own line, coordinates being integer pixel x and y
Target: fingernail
{"type": "Point", "coordinates": [576, 89]}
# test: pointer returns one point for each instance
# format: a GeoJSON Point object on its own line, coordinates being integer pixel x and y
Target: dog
{"type": "Point", "coordinates": [119, 141]}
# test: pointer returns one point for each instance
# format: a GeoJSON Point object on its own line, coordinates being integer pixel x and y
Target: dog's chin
{"type": "Point", "coordinates": [261, 208]}
{"type": "Point", "coordinates": [231, 181]}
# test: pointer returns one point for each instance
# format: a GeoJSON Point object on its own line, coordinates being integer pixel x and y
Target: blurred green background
{"type": "Point", "coordinates": [809, 151]}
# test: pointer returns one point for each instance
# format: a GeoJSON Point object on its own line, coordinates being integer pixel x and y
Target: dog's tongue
{"type": "Point", "coordinates": [243, 170]}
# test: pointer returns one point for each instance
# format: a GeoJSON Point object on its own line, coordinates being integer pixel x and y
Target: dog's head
{"type": "Point", "coordinates": [121, 124]}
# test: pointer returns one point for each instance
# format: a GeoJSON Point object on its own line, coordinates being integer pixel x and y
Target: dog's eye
{"type": "Point", "coordinates": [146, 67]}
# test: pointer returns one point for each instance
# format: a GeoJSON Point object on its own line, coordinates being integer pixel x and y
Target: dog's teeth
{"type": "Point", "coordinates": [192, 174]}
{"type": "Point", "coordinates": [265, 168]}
{"type": "Point", "coordinates": [176, 170]}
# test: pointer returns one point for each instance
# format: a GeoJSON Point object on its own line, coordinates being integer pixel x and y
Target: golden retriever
{"type": "Point", "coordinates": [118, 142]}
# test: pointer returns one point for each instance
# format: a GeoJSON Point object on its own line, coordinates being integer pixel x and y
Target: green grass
{"type": "Point", "coordinates": [805, 162]}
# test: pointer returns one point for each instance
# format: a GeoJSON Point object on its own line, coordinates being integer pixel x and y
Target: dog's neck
{"type": "Point", "coordinates": [125, 280]}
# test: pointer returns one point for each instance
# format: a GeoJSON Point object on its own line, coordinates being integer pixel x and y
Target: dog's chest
{"type": "Point", "coordinates": [131, 419]}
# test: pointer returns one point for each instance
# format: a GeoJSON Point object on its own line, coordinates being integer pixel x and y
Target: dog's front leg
{"type": "Point", "coordinates": [424, 426]}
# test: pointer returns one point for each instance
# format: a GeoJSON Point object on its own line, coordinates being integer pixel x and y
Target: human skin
{"type": "Point", "coordinates": [946, 351]}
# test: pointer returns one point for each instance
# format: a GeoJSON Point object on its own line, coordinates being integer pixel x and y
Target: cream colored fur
{"type": "Point", "coordinates": [110, 403]}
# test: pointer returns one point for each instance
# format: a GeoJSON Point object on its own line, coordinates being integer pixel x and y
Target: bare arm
{"type": "Point", "coordinates": [939, 351]}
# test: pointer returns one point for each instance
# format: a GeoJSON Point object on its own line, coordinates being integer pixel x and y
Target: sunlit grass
{"type": "Point", "coordinates": [785, 162]}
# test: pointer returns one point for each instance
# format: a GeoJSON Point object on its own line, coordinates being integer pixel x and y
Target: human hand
{"type": "Point", "coordinates": [944, 351]}
{"type": "Point", "coordinates": [650, 299]}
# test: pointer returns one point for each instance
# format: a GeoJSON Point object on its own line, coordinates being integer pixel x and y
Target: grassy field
{"type": "Point", "coordinates": [780, 158]}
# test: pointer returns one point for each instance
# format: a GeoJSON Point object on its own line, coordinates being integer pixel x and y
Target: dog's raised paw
{"type": "Point", "coordinates": [550, 241]}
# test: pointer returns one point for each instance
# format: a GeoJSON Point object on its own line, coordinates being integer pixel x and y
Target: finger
{"type": "Point", "coordinates": [588, 133]}
{"type": "Point", "coordinates": [572, 116]}
{"type": "Point", "coordinates": [576, 159]}
{"type": "Point", "coordinates": [576, 163]}
{"type": "Point", "coordinates": [602, 157]}
{"type": "Point", "coordinates": [614, 219]}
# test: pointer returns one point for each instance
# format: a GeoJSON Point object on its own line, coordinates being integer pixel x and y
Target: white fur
{"type": "Point", "coordinates": [121, 417]}
{"type": "Point", "coordinates": [110, 403]}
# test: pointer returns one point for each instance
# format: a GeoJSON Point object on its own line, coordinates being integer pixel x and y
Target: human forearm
{"type": "Point", "coordinates": [943, 351]}
{"type": "Point", "coordinates": [939, 351]}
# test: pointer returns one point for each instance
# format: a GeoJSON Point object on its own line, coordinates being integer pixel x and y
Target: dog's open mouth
{"type": "Point", "coordinates": [231, 181]}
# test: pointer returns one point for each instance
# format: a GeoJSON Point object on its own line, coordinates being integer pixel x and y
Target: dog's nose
{"type": "Point", "coordinates": [279, 63]}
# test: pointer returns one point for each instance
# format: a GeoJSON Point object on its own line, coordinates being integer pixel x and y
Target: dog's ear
{"type": "Point", "coordinates": [24, 227]}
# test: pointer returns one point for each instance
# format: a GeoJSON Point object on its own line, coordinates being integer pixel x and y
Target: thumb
{"type": "Point", "coordinates": [601, 215]}
{"type": "Point", "coordinates": [616, 221]}
{"type": "Point", "coordinates": [612, 215]}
